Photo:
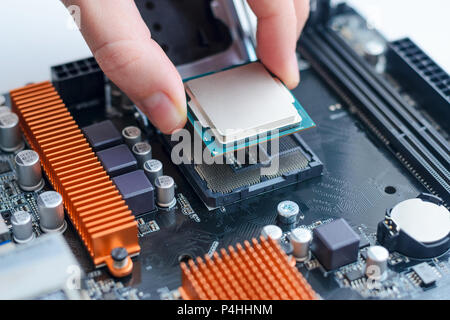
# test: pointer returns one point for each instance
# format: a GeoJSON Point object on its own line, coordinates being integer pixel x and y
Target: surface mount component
{"type": "Point", "coordinates": [42, 269]}
{"type": "Point", "coordinates": [29, 170]}
{"type": "Point", "coordinates": [4, 166]}
{"type": "Point", "coordinates": [227, 276]}
{"type": "Point", "coordinates": [426, 273]}
{"type": "Point", "coordinates": [117, 160]}
{"type": "Point", "coordinates": [93, 203]}
{"type": "Point", "coordinates": [335, 244]}
{"type": "Point", "coordinates": [102, 135]}
{"type": "Point", "coordinates": [353, 275]}
{"type": "Point", "coordinates": [418, 228]}
{"type": "Point", "coordinates": [242, 106]}
{"type": "Point", "coordinates": [137, 191]}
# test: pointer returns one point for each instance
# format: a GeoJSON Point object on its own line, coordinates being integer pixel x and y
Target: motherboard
{"type": "Point", "coordinates": [357, 207]}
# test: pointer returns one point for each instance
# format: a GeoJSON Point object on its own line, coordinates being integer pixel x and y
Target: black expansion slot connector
{"type": "Point", "coordinates": [428, 83]}
{"type": "Point", "coordinates": [407, 134]}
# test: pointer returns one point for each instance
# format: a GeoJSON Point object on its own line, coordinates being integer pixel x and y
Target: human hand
{"type": "Point", "coordinates": [121, 42]}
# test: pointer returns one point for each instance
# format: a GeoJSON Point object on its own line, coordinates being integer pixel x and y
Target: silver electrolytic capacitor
{"type": "Point", "coordinates": [300, 239]}
{"type": "Point", "coordinates": [132, 135]}
{"type": "Point", "coordinates": [22, 227]}
{"type": "Point", "coordinates": [287, 212]}
{"type": "Point", "coordinates": [153, 169]}
{"type": "Point", "coordinates": [272, 231]}
{"type": "Point", "coordinates": [376, 262]}
{"type": "Point", "coordinates": [165, 191]}
{"type": "Point", "coordinates": [4, 109]}
{"type": "Point", "coordinates": [51, 212]}
{"type": "Point", "coordinates": [29, 170]}
{"type": "Point", "coordinates": [10, 135]}
{"type": "Point", "coordinates": [142, 151]}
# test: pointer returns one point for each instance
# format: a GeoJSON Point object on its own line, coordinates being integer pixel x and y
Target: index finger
{"type": "Point", "coordinates": [121, 42]}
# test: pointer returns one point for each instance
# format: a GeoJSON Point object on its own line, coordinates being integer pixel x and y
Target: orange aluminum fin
{"type": "Point", "coordinates": [74, 170]}
{"type": "Point", "coordinates": [257, 271]}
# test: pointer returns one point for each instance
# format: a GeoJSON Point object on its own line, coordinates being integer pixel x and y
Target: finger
{"type": "Point", "coordinates": [277, 37]}
{"type": "Point", "coordinates": [124, 49]}
{"type": "Point", "coordinates": [302, 14]}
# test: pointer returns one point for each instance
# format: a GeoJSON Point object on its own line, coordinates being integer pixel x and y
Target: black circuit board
{"type": "Point", "coordinates": [13, 198]}
{"type": "Point", "coordinates": [361, 180]}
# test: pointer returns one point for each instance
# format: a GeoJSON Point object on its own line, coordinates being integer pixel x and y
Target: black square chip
{"type": "Point", "coordinates": [102, 135]}
{"type": "Point", "coordinates": [117, 160]}
{"type": "Point", "coordinates": [335, 244]}
{"type": "Point", "coordinates": [137, 191]}
{"type": "Point", "coordinates": [4, 166]}
{"type": "Point", "coordinates": [426, 274]}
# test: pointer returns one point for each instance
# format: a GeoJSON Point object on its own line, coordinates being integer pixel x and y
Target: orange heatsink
{"type": "Point", "coordinates": [257, 271]}
{"type": "Point", "coordinates": [93, 203]}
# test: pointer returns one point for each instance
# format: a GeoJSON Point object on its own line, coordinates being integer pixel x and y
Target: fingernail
{"type": "Point", "coordinates": [163, 113]}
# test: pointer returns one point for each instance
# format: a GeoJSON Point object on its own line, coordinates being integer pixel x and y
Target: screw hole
{"type": "Point", "coordinates": [390, 190]}
{"type": "Point", "coordinates": [184, 258]}
{"type": "Point", "coordinates": [150, 5]}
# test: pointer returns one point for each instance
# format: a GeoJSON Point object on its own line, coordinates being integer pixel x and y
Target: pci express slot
{"type": "Point", "coordinates": [93, 203]}
{"type": "Point", "coordinates": [410, 138]}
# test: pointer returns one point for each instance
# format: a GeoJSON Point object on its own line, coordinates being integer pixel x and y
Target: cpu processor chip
{"type": "Point", "coordinates": [242, 106]}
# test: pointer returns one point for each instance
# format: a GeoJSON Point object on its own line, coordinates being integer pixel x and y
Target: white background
{"type": "Point", "coordinates": [35, 34]}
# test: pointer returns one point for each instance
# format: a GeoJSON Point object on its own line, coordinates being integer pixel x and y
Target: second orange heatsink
{"type": "Point", "coordinates": [256, 271]}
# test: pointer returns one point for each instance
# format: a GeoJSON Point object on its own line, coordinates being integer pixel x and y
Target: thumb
{"type": "Point", "coordinates": [124, 49]}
